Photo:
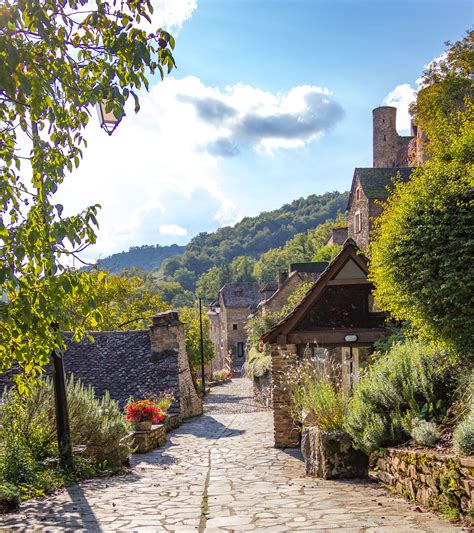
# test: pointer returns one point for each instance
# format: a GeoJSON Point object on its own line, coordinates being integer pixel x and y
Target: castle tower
{"type": "Point", "coordinates": [385, 136]}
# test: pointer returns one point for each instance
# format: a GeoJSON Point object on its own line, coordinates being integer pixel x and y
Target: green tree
{"type": "Point", "coordinates": [56, 60]}
{"type": "Point", "coordinates": [241, 269]}
{"type": "Point", "coordinates": [327, 253]}
{"type": "Point", "coordinates": [190, 317]}
{"type": "Point", "coordinates": [123, 301]}
{"type": "Point", "coordinates": [421, 257]}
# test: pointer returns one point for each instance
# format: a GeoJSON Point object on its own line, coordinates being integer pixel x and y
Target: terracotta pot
{"type": "Point", "coordinates": [144, 426]}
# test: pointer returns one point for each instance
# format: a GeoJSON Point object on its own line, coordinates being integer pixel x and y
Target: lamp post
{"type": "Point", "coordinates": [351, 339]}
{"type": "Point", "coordinates": [201, 346]}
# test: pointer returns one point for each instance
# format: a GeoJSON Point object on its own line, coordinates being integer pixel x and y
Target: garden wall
{"type": "Point", "coordinates": [445, 482]}
{"type": "Point", "coordinates": [263, 389]}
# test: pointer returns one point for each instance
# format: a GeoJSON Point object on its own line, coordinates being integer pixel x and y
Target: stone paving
{"type": "Point", "coordinates": [220, 473]}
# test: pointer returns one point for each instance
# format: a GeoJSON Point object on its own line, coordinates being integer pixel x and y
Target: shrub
{"type": "Point", "coordinates": [315, 398]}
{"type": "Point", "coordinates": [411, 380]}
{"type": "Point", "coordinates": [9, 497]}
{"type": "Point", "coordinates": [464, 435]}
{"type": "Point", "coordinates": [424, 433]}
{"type": "Point", "coordinates": [221, 375]}
{"type": "Point", "coordinates": [258, 364]}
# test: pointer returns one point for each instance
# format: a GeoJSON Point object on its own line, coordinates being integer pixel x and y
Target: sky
{"type": "Point", "coordinates": [271, 101]}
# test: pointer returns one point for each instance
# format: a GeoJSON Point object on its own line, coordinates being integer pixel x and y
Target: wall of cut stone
{"type": "Point", "coordinates": [362, 206]}
{"type": "Point", "coordinates": [286, 432]}
{"type": "Point", "coordinates": [431, 479]}
{"type": "Point", "coordinates": [167, 337]}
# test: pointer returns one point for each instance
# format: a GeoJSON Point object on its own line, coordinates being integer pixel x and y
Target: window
{"type": "Point", "coordinates": [384, 137]}
{"type": "Point", "coordinates": [357, 222]}
{"type": "Point", "coordinates": [358, 193]}
{"type": "Point", "coordinates": [238, 292]}
{"type": "Point", "coordinates": [240, 349]}
{"type": "Point", "coordinates": [234, 327]}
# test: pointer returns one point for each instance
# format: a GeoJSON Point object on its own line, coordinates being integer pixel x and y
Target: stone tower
{"type": "Point", "coordinates": [385, 138]}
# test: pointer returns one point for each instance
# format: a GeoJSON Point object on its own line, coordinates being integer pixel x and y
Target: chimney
{"type": "Point", "coordinates": [282, 277]}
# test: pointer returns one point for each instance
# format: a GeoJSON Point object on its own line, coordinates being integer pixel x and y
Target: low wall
{"type": "Point", "coordinates": [445, 482]}
{"type": "Point", "coordinates": [145, 441]}
{"type": "Point", "coordinates": [263, 390]}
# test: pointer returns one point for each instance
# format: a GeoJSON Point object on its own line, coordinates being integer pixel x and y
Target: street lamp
{"type": "Point", "coordinates": [107, 118]}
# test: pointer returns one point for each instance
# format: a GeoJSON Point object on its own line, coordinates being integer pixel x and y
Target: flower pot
{"type": "Point", "coordinates": [330, 455]}
{"type": "Point", "coordinates": [145, 425]}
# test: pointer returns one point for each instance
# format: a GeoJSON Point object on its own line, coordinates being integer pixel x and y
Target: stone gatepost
{"type": "Point", "coordinates": [167, 338]}
{"type": "Point", "coordinates": [287, 434]}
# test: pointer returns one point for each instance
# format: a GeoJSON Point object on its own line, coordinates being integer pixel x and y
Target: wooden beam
{"type": "Point", "coordinates": [349, 282]}
{"type": "Point", "coordinates": [336, 336]}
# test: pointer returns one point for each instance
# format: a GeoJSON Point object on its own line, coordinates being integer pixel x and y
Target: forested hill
{"type": "Point", "coordinates": [143, 257]}
{"type": "Point", "coordinates": [251, 237]}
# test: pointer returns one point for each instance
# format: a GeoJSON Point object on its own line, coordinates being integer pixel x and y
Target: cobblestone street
{"type": "Point", "coordinates": [220, 472]}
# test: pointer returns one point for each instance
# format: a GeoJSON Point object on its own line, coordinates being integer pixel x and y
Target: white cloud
{"type": "Point", "coordinates": [156, 173]}
{"type": "Point", "coordinates": [404, 94]}
{"type": "Point", "coordinates": [171, 14]}
{"type": "Point", "coordinates": [401, 97]}
{"type": "Point", "coordinates": [173, 229]}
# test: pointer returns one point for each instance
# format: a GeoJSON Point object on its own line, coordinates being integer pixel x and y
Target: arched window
{"type": "Point", "coordinates": [357, 222]}
{"type": "Point", "coordinates": [358, 193]}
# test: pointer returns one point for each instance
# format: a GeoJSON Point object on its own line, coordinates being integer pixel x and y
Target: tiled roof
{"type": "Point", "coordinates": [120, 362]}
{"type": "Point", "coordinates": [376, 182]}
{"type": "Point", "coordinates": [241, 294]}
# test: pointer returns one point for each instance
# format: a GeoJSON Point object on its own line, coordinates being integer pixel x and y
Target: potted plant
{"type": "Point", "coordinates": [319, 406]}
{"type": "Point", "coordinates": [144, 413]}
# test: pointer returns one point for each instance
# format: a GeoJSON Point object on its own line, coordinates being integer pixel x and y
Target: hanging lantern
{"type": "Point", "coordinates": [107, 119]}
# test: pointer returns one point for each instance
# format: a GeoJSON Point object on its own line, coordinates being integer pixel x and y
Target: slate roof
{"type": "Point", "coordinates": [269, 286]}
{"type": "Point", "coordinates": [241, 294]}
{"type": "Point", "coordinates": [374, 181]}
{"type": "Point", "coordinates": [120, 362]}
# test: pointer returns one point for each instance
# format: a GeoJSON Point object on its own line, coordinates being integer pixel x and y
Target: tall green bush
{"type": "Point", "coordinates": [413, 380]}
{"type": "Point", "coordinates": [28, 447]}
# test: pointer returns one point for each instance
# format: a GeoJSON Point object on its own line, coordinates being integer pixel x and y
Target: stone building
{"type": "Point", "coordinates": [135, 363]}
{"type": "Point", "coordinates": [228, 316]}
{"type": "Point", "coordinates": [337, 236]}
{"type": "Point", "coordinates": [335, 324]}
{"type": "Point", "coordinates": [393, 157]}
{"type": "Point", "coordinates": [288, 283]}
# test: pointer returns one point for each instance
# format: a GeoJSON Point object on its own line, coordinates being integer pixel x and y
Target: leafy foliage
{"type": "Point", "coordinates": [251, 237]}
{"type": "Point", "coordinates": [424, 433]}
{"type": "Point", "coordinates": [145, 257]}
{"type": "Point", "coordinates": [302, 247]}
{"type": "Point", "coordinates": [413, 380]}
{"type": "Point", "coordinates": [421, 256]}
{"type": "Point", "coordinates": [29, 457]}
{"type": "Point", "coordinates": [56, 60]}
{"type": "Point", "coordinates": [123, 301]}
{"type": "Point", "coordinates": [190, 317]}
{"type": "Point", "coordinates": [316, 400]}
{"type": "Point", "coordinates": [464, 435]}
{"type": "Point", "coordinates": [258, 363]}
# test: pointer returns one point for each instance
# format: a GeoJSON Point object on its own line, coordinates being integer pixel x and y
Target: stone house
{"type": "Point", "coordinates": [228, 316]}
{"type": "Point", "coordinates": [135, 363]}
{"type": "Point", "coordinates": [393, 156]}
{"type": "Point", "coordinates": [370, 187]}
{"type": "Point", "coordinates": [337, 236]}
{"type": "Point", "coordinates": [335, 323]}
{"type": "Point", "coordinates": [288, 283]}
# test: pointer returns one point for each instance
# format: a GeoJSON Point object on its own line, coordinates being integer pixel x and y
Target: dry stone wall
{"type": "Point", "coordinates": [445, 482]}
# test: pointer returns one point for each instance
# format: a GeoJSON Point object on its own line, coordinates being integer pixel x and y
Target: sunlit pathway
{"type": "Point", "coordinates": [220, 472]}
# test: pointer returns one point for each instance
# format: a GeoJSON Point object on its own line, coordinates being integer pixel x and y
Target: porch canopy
{"type": "Point", "coordinates": [338, 305]}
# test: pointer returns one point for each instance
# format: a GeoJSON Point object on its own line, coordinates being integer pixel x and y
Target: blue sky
{"type": "Point", "coordinates": [271, 101]}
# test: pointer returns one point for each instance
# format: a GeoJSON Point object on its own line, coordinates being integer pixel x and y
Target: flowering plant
{"type": "Point", "coordinates": [144, 410]}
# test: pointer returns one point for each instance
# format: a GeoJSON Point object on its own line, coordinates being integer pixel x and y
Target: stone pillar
{"type": "Point", "coordinates": [287, 434]}
{"type": "Point", "coordinates": [167, 337]}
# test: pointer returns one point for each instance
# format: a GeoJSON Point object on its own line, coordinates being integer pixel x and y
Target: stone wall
{"type": "Point", "coordinates": [361, 206]}
{"type": "Point", "coordinates": [167, 337]}
{"type": "Point", "coordinates": [286, 432]}
{"type": "Point", "coordinates": [263, 389]}
{"type": "Point", "coordinates": [445, 482]}
{"type": "Point", "coordinates": [145, 441]}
